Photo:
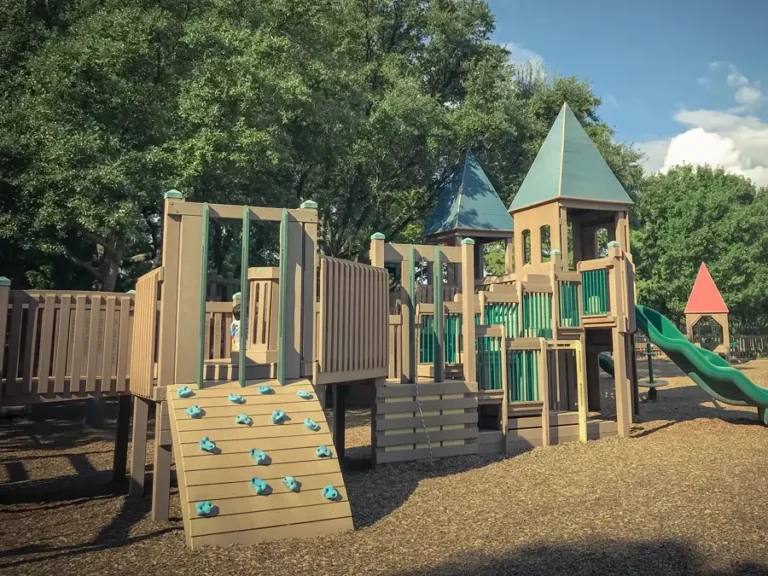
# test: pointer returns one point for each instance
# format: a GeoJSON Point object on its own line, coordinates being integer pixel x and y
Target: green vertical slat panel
{"type": "Point", "coordinates": [412, 316]}
{"type": "Point", "coordinates": [283, 306]}
{"type": "Point", "coordinates": [203, 294]}
{"type": "Point", "coordinates": [246, 237]}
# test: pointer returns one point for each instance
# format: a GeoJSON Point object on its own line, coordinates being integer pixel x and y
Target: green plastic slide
{"type": "Point", "coordinates": [606, 363]}
{"type": "Point", "coordinates": [711, 372]}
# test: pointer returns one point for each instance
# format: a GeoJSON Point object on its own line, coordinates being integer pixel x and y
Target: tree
{"type": "Point", "coordinates": [693, 215]}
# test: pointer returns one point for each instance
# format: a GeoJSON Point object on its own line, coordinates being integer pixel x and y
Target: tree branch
{"type": "Point", "coordinates": [81, 263]}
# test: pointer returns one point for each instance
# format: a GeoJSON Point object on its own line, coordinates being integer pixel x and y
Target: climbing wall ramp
{"type": "Point", "coordinates": [219, 499]}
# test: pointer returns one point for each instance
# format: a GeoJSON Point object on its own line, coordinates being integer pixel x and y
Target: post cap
{"type": "Point", "coordinates": [131, 292]}
{"type": "Point", "coordinates": [555, 252]}
{"type": "Point", "coordinates": [173, 194]}
{"type": "Point", "coordinates": [237, 296]}
{"type": "Point", "coordinates": [613, 244]}
{"type": "Point", "coordinates": [5, 281]}
{"type": "Point", "coordinates": [377, 236]}
{"type": "Point", "coordinates": [309, 205]}
{"type": "Point", "coordinates": [468, 241]}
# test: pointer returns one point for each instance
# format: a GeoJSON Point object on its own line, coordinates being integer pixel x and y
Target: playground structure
{"type": "Point", "coordinates": [459, 362]}
{"type": "Point", "coordinates": [705, 301]}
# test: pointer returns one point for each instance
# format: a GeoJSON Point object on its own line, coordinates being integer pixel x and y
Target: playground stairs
{"type": "Point", "coordinates": [219, 480]}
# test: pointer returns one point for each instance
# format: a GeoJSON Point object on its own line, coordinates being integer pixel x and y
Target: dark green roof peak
{"type": "Point", "coordinates": [468, 201]}
{"type": "Point", "coordinates": [569, 165]}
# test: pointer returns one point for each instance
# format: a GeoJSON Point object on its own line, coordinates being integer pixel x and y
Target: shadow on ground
{"type": "Point", "coordinates": [115, 535]}
{"type": "Point", "coordinates": [599, 558]}
{"type": "Point", "coordinates": [374, 495]}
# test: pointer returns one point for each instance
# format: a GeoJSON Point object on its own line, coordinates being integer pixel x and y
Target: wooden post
{"type": "Point", "coordinates": [504, 393]}
{"type": "Point", "coordinates": [203, 292]}
{"type": "Point", "coordinates": [509, 255]}
{"type": "Point", "coordinates": [544, 391]}
{"type": "Point", "coordinates": [166, 357]}
{"type": "Point", "coordinates": [187, 320]}
{"type": "Point", "coordinates": [377, 250]}
{"type": "Point", "coordinates": [5, 294]}
{"type": "Point", "coordinates": [339, 415]}
{"type": "Point", "coordinates": [468, 312]}
{"type": "Point", "coordinates": [244, 296]}
{"type": "Point", "coordinates": [309, 292]}
{"type": "Point", "coordinates": [593, 380]}
{"type": "Point", "coordinates": [410, 328]}
{"type": "Point", "coordinates": [139, 442]}
{"type": "Point", "coordinates": [120, 459]}
{"type": "Point", "coordinates": [621, 382]}
{"type": "Point", "coordinates": [581, 389]}
{"type": "Point", "coordinates": [161, 476]}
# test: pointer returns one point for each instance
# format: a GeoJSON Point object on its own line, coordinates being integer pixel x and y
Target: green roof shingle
{"type": "Point", "coordinates": [569, 165]}
{"type": "Point", "coordinates": [468, 201]}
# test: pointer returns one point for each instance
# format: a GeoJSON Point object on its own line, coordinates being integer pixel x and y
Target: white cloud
{"type": "Point", "coordinates": [611, 100]}
{"type": "Point", "coordinates": [739, 144]}
{"type": "Point", "coordinates": [748, 95]}
{"type": "Point", "coordinates": [704, 81]}
{"type": "Point", "coordinates": [735, 139]}
{"type": "Point", "coordinates": [519, 54]}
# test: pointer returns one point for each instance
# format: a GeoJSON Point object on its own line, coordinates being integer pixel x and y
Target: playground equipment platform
{"type": "Point", "coordinates": [223, 475]}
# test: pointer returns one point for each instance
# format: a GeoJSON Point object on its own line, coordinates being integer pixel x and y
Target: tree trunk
{"type": "Point", "coordinates": [95, 410]}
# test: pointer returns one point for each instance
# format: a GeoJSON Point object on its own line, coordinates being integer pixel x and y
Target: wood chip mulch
{"type": "Point", "coordinates": [687, 494]}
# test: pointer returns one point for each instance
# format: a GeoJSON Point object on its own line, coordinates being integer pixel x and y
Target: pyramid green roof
{"type": "Point", "coordinates": [468, 201]}
{"type": "Point", "coordinates": [569, 165]}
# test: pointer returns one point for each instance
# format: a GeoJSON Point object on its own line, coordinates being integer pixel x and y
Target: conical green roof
{"type": "Point", "coordinates": [569, 166]}
{"type": "Point", "coordinates": [468, 201]}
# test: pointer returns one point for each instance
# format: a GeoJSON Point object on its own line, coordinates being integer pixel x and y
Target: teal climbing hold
{"type": "Point", "coordinates": [243, 419]}
{"type": "Point", "coordinates": [204, 508]}
{"type": "Point", "coordinates": [278, 416]}
{"type": "Point", "coordinates": [323, 451]}
{"type": "Point", "coordinates": [185, 392]}
{"type": "Point", "coordinates": [311, 424]}
{"type": "Point", "coordinates": [291, 483]}
{"type": "Point", "coordinates": [304, 394]}
{"type": "Point", "coordinates": [265, 390]}
{"type": "Point", "coordinates": [207, 445]}
{"type": "Point", "coordinates": [330, 492]}
{"type": "Point", "coordinates": [259, 456]}
{"type": "Point", "coordinates": [259, 485]}
{"type": "Point", "coordinates": [195, 411]}
{"type": "Point", "coordinates": [236, 399]}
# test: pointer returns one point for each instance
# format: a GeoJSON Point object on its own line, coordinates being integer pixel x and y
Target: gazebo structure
{"type": "Point", "coordinates": [706, 301]}
{"type": "Point", "coordinates": [469, 207]}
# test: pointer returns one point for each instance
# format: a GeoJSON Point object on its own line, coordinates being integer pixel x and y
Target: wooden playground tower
{"type": "Point", "coordinates": [460, 363]}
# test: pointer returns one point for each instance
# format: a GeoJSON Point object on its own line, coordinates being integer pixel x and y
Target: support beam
{"type": "Point", "coordinates": [139, 442]}
{"type": "Point", "coordinates": [122, 433]}
{"type": "Point", "coordinates": [469, 342]}
{"type": "Point", "coordinates": [339, 417]}
{"type": "Point", "coordinates": [161, 480]}
{"type": "Point", "coordinates": [593, 381]}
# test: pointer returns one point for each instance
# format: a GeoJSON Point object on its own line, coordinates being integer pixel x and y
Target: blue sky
{"type": "Point", "coordinates": [683, 79]}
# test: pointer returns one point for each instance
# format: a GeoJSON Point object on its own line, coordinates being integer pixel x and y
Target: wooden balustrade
{"type": "Point", "coordinates": [64, 344]}
{"type": "Point", "coordinates": [353, 336]}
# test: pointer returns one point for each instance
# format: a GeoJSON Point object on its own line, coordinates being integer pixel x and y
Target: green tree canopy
{"type": "Point", "coordinates": [360, 105]}
{"type": "Point", "coordinates": [693, 215]}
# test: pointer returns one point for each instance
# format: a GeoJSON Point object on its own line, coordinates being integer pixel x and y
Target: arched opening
{"type": "Point", "coordinates": [546, 243]}
{"type": "Point", "coordinates": [708, 333]}
{"type": "Point", "coordinates": [601, 242]}
{"type": "Point", "coordinates": [526, 246]}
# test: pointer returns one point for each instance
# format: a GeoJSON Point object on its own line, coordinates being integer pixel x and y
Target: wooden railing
{"type": "Point", "coordinates": [63, 344]}
{"type": "Point", "coordinates": [395, 346]}
{"type": "Point", "coordinates": [144, 343]}
{"type": "Point", "coordinates": [354, 319]}
{"type": "Point", "coordinates": [218, 341]}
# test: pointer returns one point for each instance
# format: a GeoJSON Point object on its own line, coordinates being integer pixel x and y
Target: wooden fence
{"type": "Point", "coordinates": [57, 345]}
{"type": "Point", "coordinates": [353, 333]}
